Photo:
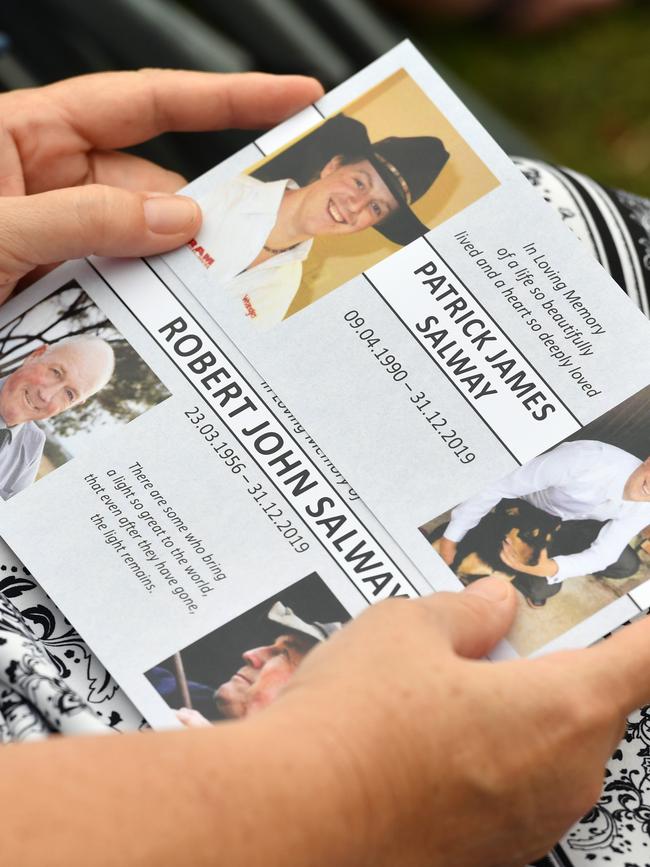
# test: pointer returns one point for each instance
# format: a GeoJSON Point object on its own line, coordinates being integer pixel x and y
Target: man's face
{"type": "Point", "coordinates": [44, 385]}
{"type": "Point", "coordinates": [637, 487]}
{"type": "Point", "coordinates": [345, 199]}
{"type": "Point", "coordinates": [259, 681]}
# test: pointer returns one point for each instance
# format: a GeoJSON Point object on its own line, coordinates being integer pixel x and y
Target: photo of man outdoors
{"type": "Point", "coordinates": [241, 668]}
{"type": "Point", "coordinates": [340, 198]}
{"type": "Point", "coordinates": [51, 380]}
{"type": "Point", "coordinates": [66, 373]}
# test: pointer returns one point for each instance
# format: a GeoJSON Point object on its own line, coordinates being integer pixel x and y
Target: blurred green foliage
{"type": "Point", "coordinates": [582, 93]}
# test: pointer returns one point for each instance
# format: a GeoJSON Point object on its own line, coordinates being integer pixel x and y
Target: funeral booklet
{"type": "Point", "coordinates": [382, 368]}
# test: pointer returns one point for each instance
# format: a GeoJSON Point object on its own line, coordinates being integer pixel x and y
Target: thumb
{"type": "Point", "coordinates": [476, 619]}
{"type": "Point", "coordinates": [616, 668]}
{"type": "Point", "coordinates": [71, 223]}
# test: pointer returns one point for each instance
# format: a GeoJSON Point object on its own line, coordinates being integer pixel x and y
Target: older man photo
{"type": "Point", "coordinates": [257, 682]}
{"type": "Point", "coordinates": [51, 380]}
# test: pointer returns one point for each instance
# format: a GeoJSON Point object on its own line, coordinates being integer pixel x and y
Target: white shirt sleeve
{"type": "Point", "coordinates": [554, 469]}
{"type": "Point", "coordinates": [26, 461]}
{"type": "Point", "coordinates": [24, 478]}
{"type": "Point", "coordinates": [542, 472]}
{"type": "Point", "coordinates": [604, 550]}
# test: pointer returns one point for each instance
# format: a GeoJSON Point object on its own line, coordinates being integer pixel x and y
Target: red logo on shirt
{"type": "Point", "coordinates": [250, 310]}
{"type": "Point", "coordinates": [204, 258]}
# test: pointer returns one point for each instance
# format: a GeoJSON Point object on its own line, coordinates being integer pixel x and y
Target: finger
{"type": "Point", "coordinates": [191, 718]}
{"type": "Point", "coordinates": [589, 704]}
{"type": "Point", "coordinates": [475, 620]}
{"type": "Point", "coordinates": [11, 174]}
{"type": "Point", "coordinates": [618, 668]}
{"type": "Point", "coordinates": [119, 169]}
{"type": "Point", "coordinates": [117, 109]}
{"type": "Point", "coordinates": [71, 223]}
{"type": "Point", "coordinates": [32, 277]}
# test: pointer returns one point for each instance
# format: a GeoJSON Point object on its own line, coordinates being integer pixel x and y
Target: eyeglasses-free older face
{"type": "Point", "coordinates": [51, 380]}
{"type": "Point", "coordinates": [265, 672]}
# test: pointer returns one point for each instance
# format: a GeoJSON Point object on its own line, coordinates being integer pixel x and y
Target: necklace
{"type": "Point", "coordinates": [280, 249]}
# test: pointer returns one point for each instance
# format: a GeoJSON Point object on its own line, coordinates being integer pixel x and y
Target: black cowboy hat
{"type": "Point", "coordinates": [407, 165]}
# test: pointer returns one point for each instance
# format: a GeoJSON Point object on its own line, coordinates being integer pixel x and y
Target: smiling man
{"type": "Point", "coordinates": [256, 234]}
{"type": "Point", "coordinates": [50, 380]}
{"type": "Point", "coordinates": [601, 494]}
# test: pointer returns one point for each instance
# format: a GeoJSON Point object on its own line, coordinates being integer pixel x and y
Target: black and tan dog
{"type": "Point", "coordinates": [529, 531]}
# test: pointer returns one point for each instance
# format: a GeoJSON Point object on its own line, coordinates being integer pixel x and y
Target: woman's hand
{"type": "Point", "coordinates": [67, 190]}
{"type": "Point", "coordinates": [458, 762]}
{"type": "Point", "coordinates": [392, 746]}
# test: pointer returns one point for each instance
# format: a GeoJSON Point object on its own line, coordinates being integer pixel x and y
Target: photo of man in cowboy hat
{"type": "Point", "coordinates": [242, 666]}
{"type": "Point", "coordinates": [259, 229]}
{"type": "Point", "coordinates": [265, 670]}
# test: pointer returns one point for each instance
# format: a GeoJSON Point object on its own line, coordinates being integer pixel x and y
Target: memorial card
{"type": "Point", "coordinates": [382, 368]}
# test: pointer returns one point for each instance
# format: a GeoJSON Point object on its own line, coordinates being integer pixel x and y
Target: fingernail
{"type": "Point", "coordinates": [492, 589]}
{"type": "Point", "coordinates": [169, 215]}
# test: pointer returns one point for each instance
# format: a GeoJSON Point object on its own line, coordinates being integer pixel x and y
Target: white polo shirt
{"type": "Point", "coordinates": [20, 457]}
{"type": "Point", "coordinates": [238, 217]}
{"type": "Point", "coordinates": [576, 480]}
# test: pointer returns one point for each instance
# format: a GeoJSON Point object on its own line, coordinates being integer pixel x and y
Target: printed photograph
{"type": "Point", "coordinates": [570, 529]}
{"type": "Point", "coordinates": [243, 666]}
{"type": "Point", "coordinates": [359, 186]}
{"type": "Point", "coordinates": [66, 373]}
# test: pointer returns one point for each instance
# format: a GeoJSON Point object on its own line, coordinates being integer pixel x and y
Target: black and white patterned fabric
{"type": "Point", "coordinates": [615, 226]}
{"type": "Point", "coordinates": [50, 681]}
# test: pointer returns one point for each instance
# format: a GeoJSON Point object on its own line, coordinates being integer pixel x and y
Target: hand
{"type": "Point", "coordinates": [437, 759]}
{"type": "Point", "coordinates": [66, 192]}
{"type": "Point", "coordinates": [391, 745]}
{"type": "Point", "coordinates": [447, 550]}
{"type": "Point", "coordinates": [545, 568]}
{"type": "Point", "coordinates": [192, 718]}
